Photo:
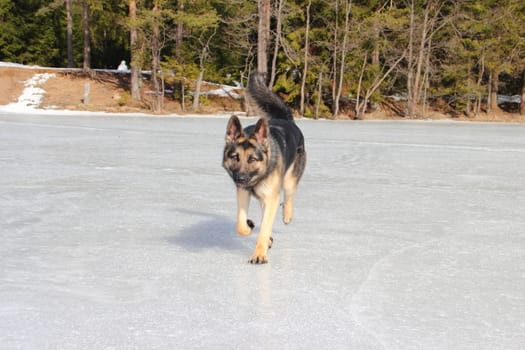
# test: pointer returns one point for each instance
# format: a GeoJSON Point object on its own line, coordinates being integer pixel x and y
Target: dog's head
{"type": "Point", "coordinates": [246, 153]}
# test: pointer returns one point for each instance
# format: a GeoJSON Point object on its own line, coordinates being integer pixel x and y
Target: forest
{"type": "Point", "coordinates": [325, 58]}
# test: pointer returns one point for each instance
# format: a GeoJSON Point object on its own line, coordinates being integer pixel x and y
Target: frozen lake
{"type": "Point", "coordinates": [118, 233]}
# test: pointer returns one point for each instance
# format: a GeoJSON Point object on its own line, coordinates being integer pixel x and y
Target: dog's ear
{"type": "Point", "coordinates": [260, 131]}
{"type": "Point", "coordinates": [234, 129]}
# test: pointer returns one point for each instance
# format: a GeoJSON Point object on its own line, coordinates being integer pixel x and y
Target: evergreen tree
{"type": "Point", "coordinates": [324, 57]}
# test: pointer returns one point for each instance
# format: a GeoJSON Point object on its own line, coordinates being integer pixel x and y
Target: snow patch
{"type": "Point", "coordinates": [224, 91]}
{"type": "Point", "coordinates": [32, 95]}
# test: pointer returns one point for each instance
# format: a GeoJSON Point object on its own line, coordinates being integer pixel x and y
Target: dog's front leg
{"type": "Point", "coordinates": [244, 225]}
{"type": "Point", "coordinates": [269, 206]}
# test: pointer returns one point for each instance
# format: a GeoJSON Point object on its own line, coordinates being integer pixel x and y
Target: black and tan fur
{"type": "Point", "coordinates": [263, 160]}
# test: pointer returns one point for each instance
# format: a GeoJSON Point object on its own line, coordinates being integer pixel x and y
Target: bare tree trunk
{"type": "Point", "coordinates": [135, 61]}
{"type": "Point", "coordinates": [179, 31]}
{"type": "Point", "coordinates": [87, 37]}
{"type": "Point", "coordinates": [522, 102]}
{"type": "Point", "coordinates": [335, 109]}
{"type": "Point", "coordinates": [197, 92]}
{"type": "Point", "coordinates": [248, 62]}
{"type": "Point", "coordinates": [179, 35]}
{"type": "Point", "coordinates": [469, 108]}
{"type": "Point", "coordinates": [155, 58]}
{"type": "Point", "coordinates": [410, 63]}
{"type": "Point", "coordinates": [69, 29]}
{"type": "Point", "coordinates": [319, 95]}
{"type": "Point", "coordinates": [426, 77]}
{"type": "Point", "coordinates": [424, 97]}
{"type": "Point", "coordinates": [202, 60]}
{"type": "Point", "coordinates": [348, 6]}
{"type": "Point", "coordinates": [306, 49]}
{"type": "Point", "coordinates": [420, 57]}
{"type": "Point", "coordinates": [263, 39]}
{"type": "Point", "coordinates": [493, 94]}
{"type": "Point", "coordinates": [377, 83]}
{"type": "Point", "coordinates": [480, 79]}
{"type": "Point", "coordinates": [375, 53]}
{"type": "Point", "coordinates": [183, 95]}
{"type": "Point", "coordinates": [489, 99]}
{"type": "Point", "coordinates": [357, 109]}
{"type": "Point", "coordinates": [277, 41]}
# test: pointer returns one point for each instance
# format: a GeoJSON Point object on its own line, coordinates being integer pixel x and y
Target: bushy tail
{"type": "Point", "coordinates": [265, 100]}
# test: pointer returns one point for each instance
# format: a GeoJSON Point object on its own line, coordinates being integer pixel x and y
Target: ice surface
{"type": "Point", "coordinates": [118, 233]}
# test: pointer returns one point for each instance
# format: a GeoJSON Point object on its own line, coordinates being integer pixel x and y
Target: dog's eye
{"type": "Point", "coordinates": [234, 156]}
{"type": "Point", "coordinates": [252, 159]}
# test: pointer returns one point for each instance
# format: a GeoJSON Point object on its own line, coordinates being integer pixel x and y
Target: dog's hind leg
{"type": "Point", "coordinates": [291, 180]}
{"type": "Point", "coordinates": [244, 225]}
{"type": "Point", "coordinates": [290, 185]}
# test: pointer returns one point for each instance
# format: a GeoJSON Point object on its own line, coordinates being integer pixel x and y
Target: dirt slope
{"type": "Point", "coordinates": [109, 92]}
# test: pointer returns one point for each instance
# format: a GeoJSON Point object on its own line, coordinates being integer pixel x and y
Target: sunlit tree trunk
{"type": "Point", "coordinates": [135, 60]}
{"type": "Point", "coordinates": [69, 35]}
{"type": "Point", "coordinates": [357, 104]}
{"type": "Point", "coordinates": [179, 31]}
{"type": "Point", "coordinates": [277, 41]}
{"type": "Point", "coordinates": [335, 109]}
{"type": "Point", "coordinates": [340, 77]}
{"type": "Point", "coordinates": [319, 95]}
{"type": "Point", "coordinates": [522, 104]}
{"type": "Point", "coordinates": [410, 63]}
{"type": "Point", "coordinates": [179, 34]}
{"type": "Point", "coordinates": [155, 59]}
{"type": "Point", "coordinates": [375, 52]}
{"type": "Point", "coordinates": [203, 57]}
{"type": "Point", "coordinates": [306, 49]}
{"type": "Point", "coordinates": [493, 92]}
{"type": "Point", "coordinates": [477, 109]}
{"type": "Point", "coordinates": [87, 36]}
{"type": "Point", "coordinates": [420, 57]}
{"type": "Point", "coordinates": [198, 87]}
{"type": "Point", "coordinates": [263, 38]}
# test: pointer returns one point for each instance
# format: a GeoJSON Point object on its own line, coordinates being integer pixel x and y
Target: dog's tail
{"type": "Point", "coordinates": [265, 100]}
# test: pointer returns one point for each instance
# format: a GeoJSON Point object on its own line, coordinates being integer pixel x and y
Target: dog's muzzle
{"type": "Point", "coordinates": [241, 178]}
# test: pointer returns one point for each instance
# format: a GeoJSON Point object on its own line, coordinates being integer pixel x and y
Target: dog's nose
{"type": "Point", "coordinates": [242, 178]}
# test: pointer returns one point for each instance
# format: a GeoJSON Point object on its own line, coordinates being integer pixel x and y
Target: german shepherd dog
{"type": "Point", "coordinates": [262, 160]}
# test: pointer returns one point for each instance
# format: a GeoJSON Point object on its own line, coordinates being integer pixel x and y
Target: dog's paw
{"type": "Point", "coordinates": [259, 256]}
{"type": "Point", "coordinates": [244, 229]}
{"type": "Point", "coordinates": [259, 259]}
{"type": "Point", "coordinates": [287, 213]}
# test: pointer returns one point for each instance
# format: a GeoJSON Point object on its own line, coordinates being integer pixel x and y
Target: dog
{"type": "Point", "coordinates": [264, 159]}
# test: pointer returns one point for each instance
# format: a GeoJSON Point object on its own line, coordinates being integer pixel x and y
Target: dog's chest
{"type": "Point", "coordinates": [268, 187]}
